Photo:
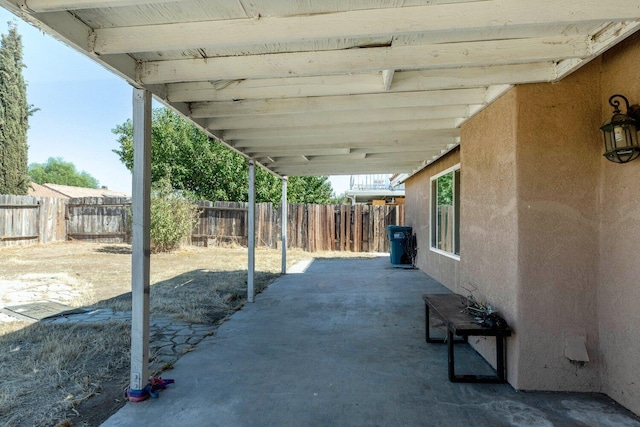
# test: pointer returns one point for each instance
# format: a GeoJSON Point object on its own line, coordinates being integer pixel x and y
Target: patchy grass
{"type": "Point", "coordinates": [73, 375]}
{"type": "Point", "coordinates": [48, 370]}
{"type": "Point", "coordinates": [199, 296]}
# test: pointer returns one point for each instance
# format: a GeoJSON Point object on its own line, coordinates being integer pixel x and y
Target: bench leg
{"type": "Point", "coordinates": [428, 334]}
{"type": "Point", "coordinates": [501, 366]}
{"type": "Point", "coordinates": [500, 376]}
{"type": "Point", "coordinates": [451, 356]}
{"type": "Point", "coordinates": [426, 328]}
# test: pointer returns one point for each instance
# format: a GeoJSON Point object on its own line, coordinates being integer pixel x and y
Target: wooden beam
{"type": "Point", "coordinates": [347, 148]}
{"type": "Point", "coordinates": [285, 87]}
{"type": "Point", "coordinates": [60, 5]}
{"type": "Point", "coordinates": [601, 42]}
{"type": "Point", "coordinates": [469, 54]}
{"type": "Point", "coordinates": [76, 34]}
{"type": "Point", "coordinates": [348, 169]}
{"type": "Point", "coordinates": [339, 103]}
{"type": "Point", "coordinates": [341, 129]}
{"type": "Point", "coordinates": [493, 93]}
{"type": "Point", "coordinates": [362, 83]}
{"type": "Point", "coordinates": [353, 158]}
{"type": "Point", "coordinates": [387, 78]}
{"type": "Point", "coordinates": [369, 23]}
{"type": "Point", "coordinates": [349, 140]}
{"type": "Point", "coordinates": [359, 151]}
{"type": "Point", "coordinates": [333, 117]}
{"type": "Point", "coordinates": [295, 151]}
{"type": "Point", "coordinates": [373, 158]}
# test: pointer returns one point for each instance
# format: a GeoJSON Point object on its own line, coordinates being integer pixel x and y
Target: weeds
{"type": "Point", "coordinates": [54, 368]}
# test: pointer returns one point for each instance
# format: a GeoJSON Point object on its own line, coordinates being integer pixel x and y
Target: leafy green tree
{"type": "Point", "coordinates": [190, 161]}
{"type": "Point", "coordinates": [57, 171]}
{"type": "Point", "coordinates": [308, 189]}
{"type": "Point", "coordinates": [14, 116]}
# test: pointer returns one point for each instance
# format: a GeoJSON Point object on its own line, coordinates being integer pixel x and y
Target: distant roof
{"type": "Point", "coordinates": [38, 190]}
{"type": "Point", "coordinates": [366, 196]}
{"type": "Point", "coordinates": [68, 191]}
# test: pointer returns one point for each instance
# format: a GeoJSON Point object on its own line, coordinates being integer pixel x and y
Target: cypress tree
{"type": "Point", "coordinates": [14, 115]}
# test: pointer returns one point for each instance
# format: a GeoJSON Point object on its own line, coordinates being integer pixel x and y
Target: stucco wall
{"type": "Point", "coordinates": [442, 268]}
{"type": "Point", "coordinates": [558, 160]}
{"type": "Point", "coordinates": [488, 217]}
{"type": "Point", "coordinates": [619, 275]}
{"type": "Point", "coordinates": [548, 229]}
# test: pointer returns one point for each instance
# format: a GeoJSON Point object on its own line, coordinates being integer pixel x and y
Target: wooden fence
{"type": "Point", "coordinates": [358, 228]}
{"type": "Point", "coordinates": [99, 219]}
{"type": "Point", "coordinates": [28, 220]}
{"type": "Point", "coordinates": [312, 228]}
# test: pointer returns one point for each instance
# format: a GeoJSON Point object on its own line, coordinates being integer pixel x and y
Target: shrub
{"type": "Point", "coordinates": [173, 216]}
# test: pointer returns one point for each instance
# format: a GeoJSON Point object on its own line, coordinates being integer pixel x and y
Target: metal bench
{"type": "Point", "coordinates": [450, 308]}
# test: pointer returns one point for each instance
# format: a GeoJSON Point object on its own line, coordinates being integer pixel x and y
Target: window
{"type": "Point", "coordinates": [445, 212]}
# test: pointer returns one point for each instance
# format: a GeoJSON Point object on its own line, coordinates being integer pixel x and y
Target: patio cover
{"type": "Point", "coordinates": [320, 88]}
{"type": "Point", "coordinates": [334, 87]}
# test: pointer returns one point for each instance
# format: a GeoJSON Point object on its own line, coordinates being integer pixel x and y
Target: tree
{"type": "Point", "coordinates": [14, 116]}
{"type": "Point", "coordinates": [57, 171]}
{"type": "Point", "coordinates": [191, 161]}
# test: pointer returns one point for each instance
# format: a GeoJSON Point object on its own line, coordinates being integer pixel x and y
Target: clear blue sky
{"type": "Point", "coordinates": [80, 103]}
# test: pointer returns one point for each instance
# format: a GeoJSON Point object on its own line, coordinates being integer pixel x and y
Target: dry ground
{"type": "Point", "coordinates": [73, 375]}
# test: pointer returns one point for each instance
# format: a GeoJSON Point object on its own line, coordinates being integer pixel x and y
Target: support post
{"type": "Point", "coordinates": [284, 224]}
{"type": "Point", "coordinates": [141, 248]}
{"type": "Point", "coordinates": [251, 238]}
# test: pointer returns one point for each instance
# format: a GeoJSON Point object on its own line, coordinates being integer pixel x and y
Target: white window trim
{"type": "Point", "coordinates": [431, 247]}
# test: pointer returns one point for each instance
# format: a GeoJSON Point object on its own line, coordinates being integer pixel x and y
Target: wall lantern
{"type": "Point", "coordinates": [621, 132]}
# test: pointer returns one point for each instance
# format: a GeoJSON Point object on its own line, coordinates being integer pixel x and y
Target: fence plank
{"type": "Point", "coordinates": [357, 238]}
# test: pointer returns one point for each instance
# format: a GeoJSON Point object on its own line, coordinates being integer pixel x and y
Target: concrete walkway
{"type": "Point", "coordinates": [343, 345]}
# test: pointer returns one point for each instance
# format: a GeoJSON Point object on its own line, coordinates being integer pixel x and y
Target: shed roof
{"type": "Point", "coordinates": [69, 191]}
{"type": "Point", "coordinates": [333, 86]}
{"type": "Point", "coordinates": [72, 191]}
{"type": "Point", "coordinates": [38, 190]}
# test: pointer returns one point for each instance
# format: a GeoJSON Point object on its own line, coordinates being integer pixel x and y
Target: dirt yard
{"type": "Point", "coordinates": [73, 375]}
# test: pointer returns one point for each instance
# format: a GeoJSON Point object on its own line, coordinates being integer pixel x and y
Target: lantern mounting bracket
{"type": "Point", "coordinates": [633, 111]}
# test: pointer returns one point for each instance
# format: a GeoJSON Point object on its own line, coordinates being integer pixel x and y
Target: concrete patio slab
{"type": "Point", "coordinates": [342, 344]}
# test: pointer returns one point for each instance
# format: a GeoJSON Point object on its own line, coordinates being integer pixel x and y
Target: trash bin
{"type": "Point", "coordinates": [398, 237]}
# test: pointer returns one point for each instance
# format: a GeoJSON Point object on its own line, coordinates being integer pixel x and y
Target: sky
{"type": "Point", "coordinates": [79, 103]}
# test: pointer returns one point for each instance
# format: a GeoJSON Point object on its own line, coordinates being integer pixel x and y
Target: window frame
{"type": "Point", "coordinates": [456, 209]}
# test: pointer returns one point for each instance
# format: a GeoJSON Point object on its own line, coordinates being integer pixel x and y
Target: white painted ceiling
{"type": "Point", "coordinates": [333, 87]}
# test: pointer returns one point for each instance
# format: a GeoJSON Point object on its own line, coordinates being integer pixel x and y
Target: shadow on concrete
{"type": "Point", "coordinates": [342, 344]}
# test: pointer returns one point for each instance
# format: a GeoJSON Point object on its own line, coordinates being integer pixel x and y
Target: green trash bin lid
{"type": "Point", "coordinates": [398, 232]}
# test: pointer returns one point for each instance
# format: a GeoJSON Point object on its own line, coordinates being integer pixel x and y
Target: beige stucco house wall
{"type": "Point", "coordinates": [548, 230]}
